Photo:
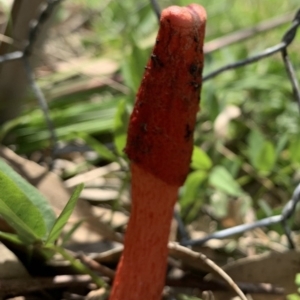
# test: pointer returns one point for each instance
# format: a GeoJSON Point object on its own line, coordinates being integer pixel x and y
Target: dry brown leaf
{"type": "Point", "coordinates": [98, 194]}
{"type": "Point", "coordinates": [88, 66]}
{"type": "Point", "coordinates": [279, 269]}
{"type": "Point", "coordinates": [91, 175]}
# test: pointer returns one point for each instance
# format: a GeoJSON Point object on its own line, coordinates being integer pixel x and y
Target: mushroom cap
{"type": "Point", "coordinates": [160, 134]}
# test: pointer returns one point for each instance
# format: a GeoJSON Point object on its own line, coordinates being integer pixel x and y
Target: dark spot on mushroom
{"type": "Point", "coordinates": [193, 69]}
{"type": "Point", "coordinates": [188, 132]}
{"type": "Point", "coordinates": [156, 61]}
{"type": "Point", "coordinates": [195, 84]}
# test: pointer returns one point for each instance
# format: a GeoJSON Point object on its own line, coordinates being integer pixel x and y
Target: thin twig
{"type": "Point", "coordinates": [92, 264]}
{"type": "Point", "coordinates": [211, 266]}
{"type": "Point", "coordinates": [22, 286]}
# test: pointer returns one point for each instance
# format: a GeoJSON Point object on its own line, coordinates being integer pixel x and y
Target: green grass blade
{"type": "Point", "coordinates": [64, 216]}
{"type": "Point", "coordinates": [120, 127]}
{"type": "Point", "coordinates": [10, 237]}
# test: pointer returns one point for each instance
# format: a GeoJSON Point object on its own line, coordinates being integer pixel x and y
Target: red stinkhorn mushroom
{"type": "Point", "coordinates": [159, 145]}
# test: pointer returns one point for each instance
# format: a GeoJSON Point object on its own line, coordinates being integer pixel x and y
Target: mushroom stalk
{"type": "Point", "coordinates": [159, 145]}
{"type": "Point", "coordinates": [142, 268]}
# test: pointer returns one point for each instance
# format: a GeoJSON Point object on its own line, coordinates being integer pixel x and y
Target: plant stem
{"type": "Point", "coordinates": [143, 267]}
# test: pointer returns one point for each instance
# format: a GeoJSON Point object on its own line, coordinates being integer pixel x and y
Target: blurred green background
{"type": "Point", "coordinates": [247, 142]}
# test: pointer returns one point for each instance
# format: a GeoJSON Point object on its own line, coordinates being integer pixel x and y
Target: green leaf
{"type": "Point", "coordinates": [121, 124]}
{"type": "Point", "coordinates": [133, 66]}
{"type": "Point", "coordinates": [297, 279]}
{"type": "Point", "coordinates": [281, 144]}
{"type": "Point", "coordinates": [191, 187]}
{"type": "Point", "coordinates": [10, 237]}
{"type": "Point", "coordinates": [255, 142]}
{"type": "Point", "coordinates": [64, 216]}
{"type": "Point", "coordinates": [34, 196]}
{"type": "Point", "coordinates": [222, 180]}
{"type": "Point", "coordinates": [210, 102]}
{"type": "Point", "coordinates": [294, 150]}
{"type": "Point", "coordinates": [265, 207]}
{"type": "Point", "coordinates": [293, 297]}
{"type": "Point", "coordinates": [91, 118]}
{"type": "Point", "coordinates": [266, 158]}
{"type": "Point", "coordinates": [200, 160]}
{"type": "Point", "coordinates": [12, 215]}
{"type": "Point", "coordinates": [19, 212]}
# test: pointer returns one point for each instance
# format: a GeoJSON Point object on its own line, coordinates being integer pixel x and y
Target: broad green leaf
{"type": "Point", "coordinates": [265, 160]}
{"type": "Point", "coordinates": [19, 212]}
{"type": "Point", "coordinates": [222, 180]}
{"type": "Point", "coordinates": [121, 123]}
{"type": "Point", "coordinates": [64, 216]}
{"type": "Point", "coordinates": [191, 187]}
{"type": "Point", "coordinates": [32, 194]}
{"type": "Point", "coordinates": [200, 160]}
{"type": "Point", "coordinates": [101, 149]}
